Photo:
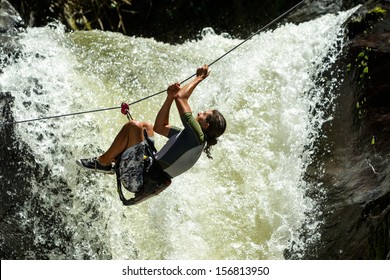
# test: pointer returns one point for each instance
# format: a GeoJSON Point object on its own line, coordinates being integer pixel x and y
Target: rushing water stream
{"type": "Point", "coordinates": [248, 202]}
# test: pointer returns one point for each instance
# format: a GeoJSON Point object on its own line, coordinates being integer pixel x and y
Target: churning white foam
{"type": "Point", "coordinates": [247, 203]}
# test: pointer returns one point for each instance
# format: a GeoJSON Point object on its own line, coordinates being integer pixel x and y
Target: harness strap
{"type": "Point", "coordinates": [119, 185]}
{"type": "Point", "coordinates": [151, 149]}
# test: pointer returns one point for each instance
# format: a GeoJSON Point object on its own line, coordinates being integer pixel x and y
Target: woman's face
{"type": "Point", "coordinates": [202, 118]}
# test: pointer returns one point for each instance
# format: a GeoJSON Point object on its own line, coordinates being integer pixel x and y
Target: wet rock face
{"type": "Point", "coordinates": [10, 24]}
{"type": "Point", "coordinates": [24, 216]}
{"type": "Point", "coordinates": [374, 123]}
{"type": "Point", "coordinates": [9, 17]}
{"type": "Point", "coordinates": [357, 209]}
{"type": "Point", "coordinates": [13, 153]}
{"type": "Point", "coordinates": [14, 185]}
{"type": "Point", "coordinates": [18, 167]}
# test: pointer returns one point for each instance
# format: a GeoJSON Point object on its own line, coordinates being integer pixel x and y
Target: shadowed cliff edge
{"type": "Point", "coordinates": [18, 168]}
{"type": "Point", "coordinates": [354, 150]}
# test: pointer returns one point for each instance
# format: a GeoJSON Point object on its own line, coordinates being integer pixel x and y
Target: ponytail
{"type": "Point", "coordinates": [217, 126]}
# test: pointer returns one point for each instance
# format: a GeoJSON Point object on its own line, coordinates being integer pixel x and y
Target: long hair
{"type": "Point", "coordinates": [217, 126]}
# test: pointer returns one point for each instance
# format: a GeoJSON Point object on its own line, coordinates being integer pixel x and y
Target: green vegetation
{"type": "Point", "coordinates": [378, 12]}
{"type": "Point", "coordinates": [101, 14]}
{"type": "Point", "coordinates": [361, 62]}
{"type": "Point", "coordinates": [363, 23]}
{"type": "Point", "coordinates": [362, 77]}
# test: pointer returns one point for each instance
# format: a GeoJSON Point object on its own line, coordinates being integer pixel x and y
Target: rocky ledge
{"type": "Point", "coordinates": [355, 148]}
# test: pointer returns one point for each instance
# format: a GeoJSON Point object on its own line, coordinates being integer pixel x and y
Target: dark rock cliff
{"type": "Point", "coordinates": [354, 151]}
{"type": "Point", "coordinates": [18, 166]}
{"type": "Point", "coordinates": [357, 224]}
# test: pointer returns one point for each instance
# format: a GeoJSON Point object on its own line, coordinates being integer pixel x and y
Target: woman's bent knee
{"type": "Point", "coordinates": [149, 128]}
{"type": "Point", "coordinates": [133, 125]}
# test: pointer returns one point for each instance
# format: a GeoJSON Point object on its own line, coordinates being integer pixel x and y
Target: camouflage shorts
{"type": "Point", "coordinates": [131, 167]}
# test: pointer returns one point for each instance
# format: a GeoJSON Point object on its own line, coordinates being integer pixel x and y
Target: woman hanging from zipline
{"type": "Point", "coordinates": [180, 153]}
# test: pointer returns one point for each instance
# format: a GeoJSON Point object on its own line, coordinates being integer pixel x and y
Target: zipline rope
{"type": "Point", "coordinates": [160, 92]}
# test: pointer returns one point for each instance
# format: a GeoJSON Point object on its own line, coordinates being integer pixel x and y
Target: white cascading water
{"type": "Point", "coordinates": [247, 203]}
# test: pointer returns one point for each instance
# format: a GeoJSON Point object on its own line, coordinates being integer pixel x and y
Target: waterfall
{"type": "Point", "coordinates": [249, 202]}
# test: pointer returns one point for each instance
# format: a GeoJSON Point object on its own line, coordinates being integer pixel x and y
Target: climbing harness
{"type": "Point", "coordinates": [160, 92]}
{"type": "Point", "coordinates": [155, 180]}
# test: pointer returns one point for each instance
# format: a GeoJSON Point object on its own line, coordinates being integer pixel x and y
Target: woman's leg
{"type": "Point", "coordinates": [149, 128]}
{"type": "Point", "coordinates": [130, 135]}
